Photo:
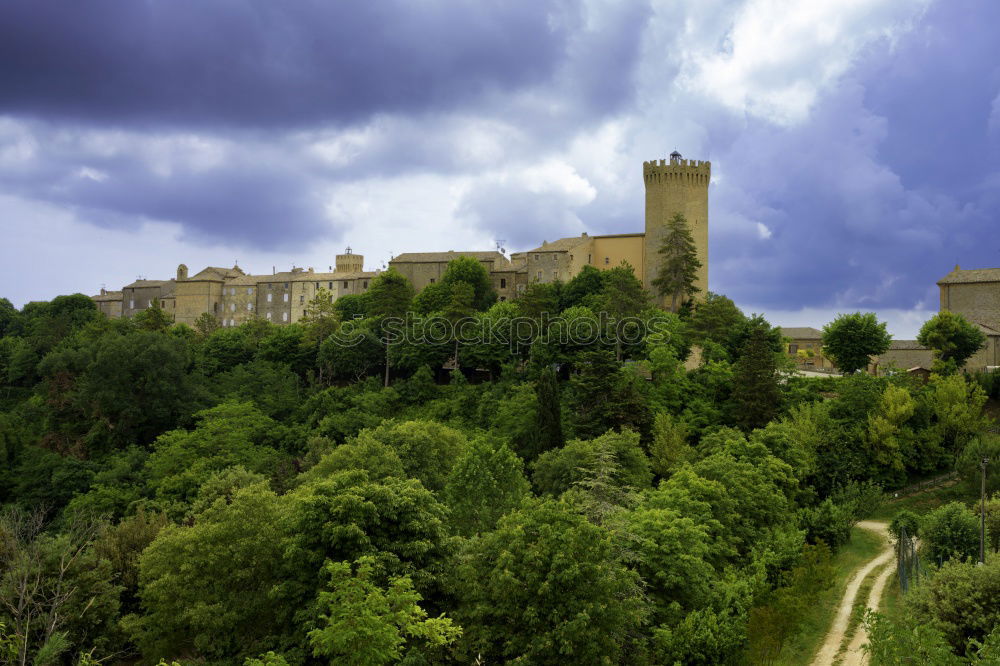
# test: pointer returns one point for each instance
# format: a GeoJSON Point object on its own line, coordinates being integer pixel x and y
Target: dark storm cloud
{"type": "Point", "coordinates": [884, 189]}
{"type": "Point", "coordinates": [264, 63]}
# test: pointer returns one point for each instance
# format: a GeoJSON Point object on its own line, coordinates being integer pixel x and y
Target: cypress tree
{"type": "Point", "coordinates": [548, 419]}
{"type": "Point", "coordinates": [756, 395]}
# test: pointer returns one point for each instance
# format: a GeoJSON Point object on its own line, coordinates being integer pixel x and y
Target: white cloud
{"type": "Point", "coordinates": [778, 55]}
{"type": "Point", "coordinates": [762, 231]}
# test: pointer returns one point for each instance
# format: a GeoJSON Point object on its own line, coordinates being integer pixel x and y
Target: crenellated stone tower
{"type": "Point", "coordinates": [676, 186]}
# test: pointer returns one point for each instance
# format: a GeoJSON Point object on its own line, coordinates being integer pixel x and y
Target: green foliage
{"type": "Point", "coordinates": [961, 601]}
{"type": "Point", "coordinates": [669, 447]}
{"type": "Point", "coordinates": [548, 586]}
{"type": "Point", "coordinates": [950, 531]}
{"type": "Point", "coordinates": [605, 396]}
{"type": "Point", "coordinates": [679, 263]}
{"type": "Point", "coordinates": [852, 339]}
{"type": "Point", "coordinates": [206, 588]}
{"type": "Point", "coordinates": [486, 483]}
{"type": "Point", "coordinates": [427, 449]}
{"type": "Point", "coordinates": [548, 417]}
{"type": "Point", "coordinates": [905, 519]}
{"type": "Point", "coordinates": [470, 271]}
{"type": "Point", "coordinates": [755, 397]}
{"type": "Point", "coordinates": [714, 319]}
{"type": "Point", "coordinates": [364, 624]}
{"type": "Point", "coordinates": [558, 470]}
{"type": "Point", "coordinates": [953, 338]}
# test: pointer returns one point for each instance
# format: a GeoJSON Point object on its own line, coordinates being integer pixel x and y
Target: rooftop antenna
{"type": "Point", "coordinates": [500, 245]}
{"type": "Point", "coordinates": [348, 249]}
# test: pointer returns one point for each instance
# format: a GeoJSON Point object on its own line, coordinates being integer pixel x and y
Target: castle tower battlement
{"type": "Point", "coordinates": [674, 186]}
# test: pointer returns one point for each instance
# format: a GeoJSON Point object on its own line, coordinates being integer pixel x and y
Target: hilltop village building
{"type": "Point", "coordinates": [233, 297]}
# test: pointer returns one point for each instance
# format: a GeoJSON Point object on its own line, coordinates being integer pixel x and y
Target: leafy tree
{"type": "Point", "coordinates": [366, 453]}
{"type": "Point", "coordinates": [432, 298]}
{"type": "Point", "coordinates": [361, 623]}
{"type": "Point", "coordinates": [962, 601]}
{"type": "Point", "coordinates": [320, 320]}
{"type": "Point", "coordinates": [353, 353]}
{"type": "Point", "coordinates": [353, 306]}
{"type": "Point", "coordinates": [953, 338]}
{"type": "Point", "coordinates": [679, 263]}
{"type": "Point", "coordinates": [427, 449]}
{"type": "Point", "coordinates": [391, 294]}
{"type": "Point", "coordinates": [589, 282]}
{"type": "Point", "coordinates": [669, 447]}
{"type": "Point", "coordinates": [206, 324]}
{"type": "Point", "coordinates": [486, 483]}
{"type": "Point", "coordinates": [852, 339]}
{"type": "Point", "coordinates": [756, 395]}
{"type": "Point", "coordinates": [950, 531]}
{"type": "Point", "coordinates": [905, 519]}
{"type": "Point", "coordinates": [558, 470]}
{"type": "Point", "coordinates": [471, 271]}
{"type": "Point", "coordinates": [153, 318]}
{"type": "Point", "coordinates": [906, 642]}
{"type": "Point", "coordinates": [547, 586]}
{"type": "Point", "coordinates": [8, 314]}
{"type": "Point", "coordinates": [887, 435]}
{"type": "Point", "coordinates": [206, 588]}
{"type": "Point", "coordinates": [227, 435]}
{"type": "Point", "coordinates": [624, 292]}
{"type": "Point", "coordinates": [540, 298]}
{"type": "Point", "coordinates": [715, 318]}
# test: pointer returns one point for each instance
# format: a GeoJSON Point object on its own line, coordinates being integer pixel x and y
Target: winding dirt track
{"type": "Point", "coordinates": [855, 656]}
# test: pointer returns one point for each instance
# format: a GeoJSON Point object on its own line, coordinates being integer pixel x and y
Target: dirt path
{"type": "Point", "coordinates": [835, 637]}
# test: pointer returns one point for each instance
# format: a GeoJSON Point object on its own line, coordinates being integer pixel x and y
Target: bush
{"type": "Point", "coordinates": [950, 531]}
{"type": "Point", "coordinates": [828, 523]}
{"type": "Point", "coordinates": [907, 519]}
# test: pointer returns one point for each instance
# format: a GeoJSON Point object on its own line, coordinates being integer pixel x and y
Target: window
{"type": "Point", "coordinates": [232, 291]}
{"type": "Point", "coordinates": [269, 316]}
{"type": "Point", "coordinates": [432, 280]}
{"type": "Point", "coordinates": [149, 303]}
{"type": "Point", "coordinates": [503, 283]}
{"type": "Point", "coordinates": [539, 276]}
{"type": "Point", "coordinates": [345, 284]}
{"type": "Point", "coordinates": [331, 286]}
{"type": "Point", "coordinates": [555, 257]}
{"type": "Point", "coordinates": [249, 307]}
{"type": "Point", "coordinates": [555, 275]}
{"type": "Point", "coordinates": [131, 304]}
{"type": "Point", "coordinates": [302, 299]}
{"type": "Point", "coordinates": [793, 349]}
{"type": "Point", "coordinates": [607, 260]}
{"type": "Point", "coordinates": [303, 313]}
{"type": "Point", "coordinates": [269, 298]}
{"type": "Point", "coordinates": [284, 297]}
{"type": "Point", "coordinates": [249, 291]}
{"type": "Point", "coordinates": [163, 304]}
{"type": "Point", "coordinates": [284, 316]}
{"type": "Point", "coordinates": [232, 307]}
{"type": "Point", "coordinates": [588, 258]}
{"type": "Point", "coordinates": [286, 285]}
{"type": "Point", "coordinates": [365, 285]}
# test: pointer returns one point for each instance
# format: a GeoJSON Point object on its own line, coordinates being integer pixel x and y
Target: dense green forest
{"type": "Point", "coordinates": [568, 492]}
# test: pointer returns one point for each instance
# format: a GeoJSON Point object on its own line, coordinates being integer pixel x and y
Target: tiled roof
{"type": "Point", "coordinates": [907, 344]}
{"type": "Point", "coordinates": [959, 276]}
{"type": "Point", "coordinates": [801, 333]}
{"type": "Point", "coordinates": [562, 245]}
{"type": "Point", "coordinates": [108, 296]}
{"type": "Point", "coordinates": [299, 276]}
{"type": "Point", "coordinates": [436, 257]}
{"type": "Point", "coordinates": [217, 273]}
{"type": "Point", "coordinates": [166, 286]}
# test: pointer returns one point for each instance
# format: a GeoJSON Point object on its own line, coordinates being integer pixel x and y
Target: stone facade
{"type": "Point", "coordinates": [233, 297]}
{"type": "Point", "coordinates": [109, 303]}
{"type": "Point", "coordinates": [975, 294]}
{"type": "Point", "coordinates": [805, 346]}
{"type": "Point", "coordinates": [676, 186]}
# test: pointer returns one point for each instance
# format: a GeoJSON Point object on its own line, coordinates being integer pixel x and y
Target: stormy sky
{"type": "Point", "coordinates": [855, 144]}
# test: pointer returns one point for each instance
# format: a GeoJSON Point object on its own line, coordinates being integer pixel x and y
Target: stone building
{"type": "Point", "coordinates": [672, 186]}
{"type": "Point", "coordinates": [109, 303]}
{"type": "Point", "coordinates": [233, 297]}
{"type": "Point", "coordinates": [805, 346]}
{"type": "Point", "coordinates": [140, 295]}
{"type": "Point", "coordinates": [975, 294]}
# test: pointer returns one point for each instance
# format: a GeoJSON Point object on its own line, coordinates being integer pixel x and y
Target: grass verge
{"type": "Point", "coordinates": [924, 502]}
{"type": "Point", "coordinates": [800, 648]}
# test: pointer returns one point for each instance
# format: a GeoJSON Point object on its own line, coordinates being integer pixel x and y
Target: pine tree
{"type": "Point", "coordinates": [548, 419]}
{"type": "Point", "coordinates": [679, 264]}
